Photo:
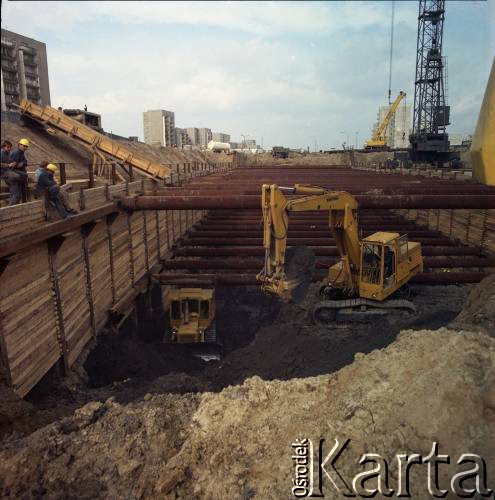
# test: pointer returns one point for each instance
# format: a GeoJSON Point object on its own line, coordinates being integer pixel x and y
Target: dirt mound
{"type": "Point", "coordinates": [105, 450]}
{"type": "Point", "coordinates": [237, 443]}
{"type": "Point", "coordinates": [59, 148]}
{"type": "Point", "coordinates": [47, 147]}
{"type": "Point", "coordinates": [478, 312]}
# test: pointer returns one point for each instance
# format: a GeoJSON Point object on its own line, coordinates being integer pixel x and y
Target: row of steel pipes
{"type": "Point", "coordinates": [226, 246]}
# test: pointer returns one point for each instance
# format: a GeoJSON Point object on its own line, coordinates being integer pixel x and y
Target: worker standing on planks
{"type": "Point", "coordinates": [54, 194]}
{"type": "Point", "coordinates": [4, 165]}
{"type": "Point", "coordinates": [6, 148]}
{"type": "Point", "coordinates": [15, 175]}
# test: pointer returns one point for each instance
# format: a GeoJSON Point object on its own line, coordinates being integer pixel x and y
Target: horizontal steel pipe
{"type": "Point", "coordinates": [307, 227]}
{"type": "Point", "coordinates": [210, 190]}
{"type": "Point", "coordinates": [186, 251]}
{"type": "Point", "coordinates": [257, 263]}
{"type": "Point", "coordinates": [365, 201]}
{"type": "Point", "coordinates": [441, 278]}
{"type": "Point", "coordinates": [293, 241]}
{"type": "Point", "coordinates": [254, 232]}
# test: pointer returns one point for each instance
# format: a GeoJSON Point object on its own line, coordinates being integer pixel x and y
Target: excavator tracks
{"type": "Point", "coordinates": [358, 309]}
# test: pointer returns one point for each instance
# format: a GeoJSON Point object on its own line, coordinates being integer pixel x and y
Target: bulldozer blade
{"type": "Point", "coordinates": [299, 267]}
{"type": "Point", "coordinates": [207, 352]}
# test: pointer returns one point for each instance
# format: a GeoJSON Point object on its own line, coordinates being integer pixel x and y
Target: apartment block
{"type": "Point", "coordinates": [397, 133]}
{"type": "Point", "coordinates": [193, 135]}
{"type": "Point", "coordinates": [249, 144]}
{"type": "Point", "coordinates": [159, 128]}
{"type": "Point", "coordinates": [220, 137]}
{"type": "Point", "coordinates": [205, 136]}
{"type": "Point", "coordinates": [182, 137]}
{"type": "Point", "coordinates": [24, 70]}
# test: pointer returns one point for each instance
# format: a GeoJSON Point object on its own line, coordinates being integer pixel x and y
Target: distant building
{"type": "Point", "coordinates": [249, 144]}
{"type": "Point", "coordinates": [24, 73]}
{"type": "Point", "coordinates": [193, 135]}
{"type": "Point", "coordinates": [235, 145]}
{"type": "Point", "coordinates": [159, 127]}
{"type": "Point", "coordinates": [220, 137]}
{"type": "Point", "coordinates": [181, 137]}
{"type": "Point", "coordinates": [205, 136]}
{"type": "Point", "coordinates": [456, 139]}
{"type": "Point", "coordinates": [397, 133]}
{"type": "Point", "coordinates": [92, 120]}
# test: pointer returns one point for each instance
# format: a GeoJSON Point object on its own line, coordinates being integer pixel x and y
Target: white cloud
{"type": "Point", "coordinates": [285, 71]}
{"type": "Point", "coordinates": [265, 18]}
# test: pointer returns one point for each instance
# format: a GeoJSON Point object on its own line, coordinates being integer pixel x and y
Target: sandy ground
{"type": "Point", "coordinates": [225, 430]}
{"type": "Point", "coordinates": [58, 148]}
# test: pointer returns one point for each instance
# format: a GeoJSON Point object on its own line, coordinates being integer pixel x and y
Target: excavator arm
{"type": "Point", "coordinates": [276, 207]}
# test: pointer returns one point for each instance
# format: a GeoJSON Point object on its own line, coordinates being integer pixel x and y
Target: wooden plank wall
{"type": "Point", "coordinates": [56, 296]}
{"type": "Point", "coordinates": [29, 332]}
{"type": "Point", "coordinates": [475, 227]}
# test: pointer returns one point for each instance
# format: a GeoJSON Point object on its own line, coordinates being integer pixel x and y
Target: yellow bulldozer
{"type": "Point", "coordinates": [192, 321]}
{"type": "Point", "coordinates": [369, 271]}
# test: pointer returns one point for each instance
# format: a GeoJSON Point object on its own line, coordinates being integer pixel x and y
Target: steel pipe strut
{"type": "Point", "coordinates": [257, 263]}
{"type": "Point", "coordinates": [325, 250]}
{"type": "Point", "coordinates": [365, 201]}
{"type": "Point", "coordinates": [250, 279]}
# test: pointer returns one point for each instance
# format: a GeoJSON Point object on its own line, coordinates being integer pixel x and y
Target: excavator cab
{"type": "Point", "coordinates": [388, 260]}
{"type": "Point", "coordinates": [192, 316]}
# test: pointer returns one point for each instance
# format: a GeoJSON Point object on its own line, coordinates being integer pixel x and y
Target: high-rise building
{"type": "Point", "coordinates": [220, 137]}
{"type": "Point", "coordinates": [181, 137]}
{"type": "Point", "coordinates": [205, 136]}
{"type": "Point", "coordinates": [24, 73]}
{"type": "Point", "coordinates": [397, 133]}
{"type": "Point", "coordinates": [159, 127]}
{"type": "Point", "coordinates": [193, 135]}
{"type": "Point", "coordinates": [249, 143]}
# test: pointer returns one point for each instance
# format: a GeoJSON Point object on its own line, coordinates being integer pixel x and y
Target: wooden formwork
{"type": "Point", "coordinates": [474, 227]}
{"type": "Point", "coordinates": [29, 331]}
{"type": "Point", "coordinates": [56, 295]}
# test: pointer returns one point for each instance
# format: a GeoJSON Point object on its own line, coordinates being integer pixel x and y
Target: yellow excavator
{"type": "Point", "coordinates": [369, 271]}
{"type": "Point", "coordinates": [378, 141]}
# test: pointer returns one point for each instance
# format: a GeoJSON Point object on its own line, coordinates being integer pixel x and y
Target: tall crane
{"type": "Point", "coordinates": [378, 141]}
{"type": "Point", "coordinates": [429, 140]}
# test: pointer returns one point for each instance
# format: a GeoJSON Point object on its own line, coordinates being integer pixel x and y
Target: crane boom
{"type": "Point", "coordinates": [378, 139]}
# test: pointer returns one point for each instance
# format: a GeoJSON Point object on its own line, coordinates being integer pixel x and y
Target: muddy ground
{"type": "Point", "coordinates": [260, 336]}
{"type": "Point", "coordinates": [160, 423]}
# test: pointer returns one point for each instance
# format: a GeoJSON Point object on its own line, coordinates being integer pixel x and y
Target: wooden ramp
{"type": "Point", "coordinates": [98, 143]}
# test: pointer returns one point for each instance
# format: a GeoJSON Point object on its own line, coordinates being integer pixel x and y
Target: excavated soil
{"type": "Point", "coordinates": [45, 146]}
{"type": "Point", "coordinates": [182, 428]}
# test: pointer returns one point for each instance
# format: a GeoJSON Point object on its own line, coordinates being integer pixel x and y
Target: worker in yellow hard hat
{"type": "Point", "coordinates": [17, 177]}
{"type": "Point", "coordinates": [55, 195]}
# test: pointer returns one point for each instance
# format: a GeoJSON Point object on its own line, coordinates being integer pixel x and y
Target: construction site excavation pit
{"type": "Point", "coordinates": [260, 336]}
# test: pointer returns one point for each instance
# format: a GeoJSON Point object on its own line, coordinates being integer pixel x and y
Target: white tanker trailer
{"type": "Point", "coordinates": [219, 147]}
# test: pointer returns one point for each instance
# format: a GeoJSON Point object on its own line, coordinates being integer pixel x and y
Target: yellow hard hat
{"type": "Point", "coordinates": [24, 142]}
{"type": "Point", "coordinates": [51, 167]}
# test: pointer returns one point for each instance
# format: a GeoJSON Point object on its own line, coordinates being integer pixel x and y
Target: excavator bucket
{"type": "Point", "coordinates": [299, 267]}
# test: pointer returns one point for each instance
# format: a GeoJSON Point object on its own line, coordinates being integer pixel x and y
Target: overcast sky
{"type": "Point", "coordinates": [285, 73]}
